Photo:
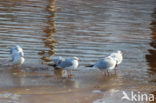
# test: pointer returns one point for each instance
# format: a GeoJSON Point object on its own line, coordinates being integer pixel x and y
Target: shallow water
{"type": "Point", "coordinates": [87, 29]}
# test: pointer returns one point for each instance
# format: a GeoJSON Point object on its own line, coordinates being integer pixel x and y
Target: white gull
{"type": "Point", "coordinates": [69, 64]}
{"type": "Point", "coordinates": [106, 65]}
{"type": "Point", "coordinates": [17, 55]}
{"type": "Point", "coordinates": [118, 56]}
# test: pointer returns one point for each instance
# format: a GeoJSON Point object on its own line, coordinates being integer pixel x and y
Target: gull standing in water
{"type": "Point", "coordinates": [15, 50]}
{"type": "Point", "coordinates": [118, 56]}
{"type": "Point", "coordinates": [17, 55]}
{"type": "Point", "coordinates": [107, 64]}
{"type": "Point", "coordinates": [69, 64]}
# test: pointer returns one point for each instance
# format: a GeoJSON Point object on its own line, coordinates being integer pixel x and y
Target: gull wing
{"type": "Point", "coordinates": [65, 64]}
{"type": "Point", "coordinates": [106, 63]}
{"type": "Point", "coordinates": [101, 64]}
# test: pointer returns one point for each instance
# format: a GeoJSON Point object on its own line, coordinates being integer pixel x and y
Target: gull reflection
{"type": "Point", "coordinates": [71, 83]}
{"type": "Point", "coordinates": [60, 73]}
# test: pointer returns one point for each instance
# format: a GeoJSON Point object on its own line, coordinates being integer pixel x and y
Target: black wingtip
{"type": "Point", "coordinates": [89, 65]}
{"type": "Point", "coordinates": [54, 65]}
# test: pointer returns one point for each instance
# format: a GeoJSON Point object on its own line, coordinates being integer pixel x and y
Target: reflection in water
{"type": "Point", "coordinates": [151, 58]}
{"type": "Point", "coordinates": [50, 31]}
{"type": "Point", "coordinates": [60, 72]}
{"type": "Point", "coordinates": [71, 83]}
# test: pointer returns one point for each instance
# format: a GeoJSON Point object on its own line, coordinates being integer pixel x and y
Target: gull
{"type": "Point", "coordinates": [118, 57]}
{"type": "Point", "coordinates": [15, 50]}
{"type": "Point", "coordinates": [69, 64]}
{"type": "Point", "coordinates": [17, 55]}
{"type": "Point", "coordinates": [106, 64]}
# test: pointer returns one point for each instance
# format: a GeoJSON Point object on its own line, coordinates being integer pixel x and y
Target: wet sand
{"type": "Point", "coordinates": [85, 86]}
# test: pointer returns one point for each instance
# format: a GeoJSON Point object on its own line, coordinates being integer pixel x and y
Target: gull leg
{"type": "Point", "coordinates": [108, 73]}
{"type": "Point", "coordinates": [70, 73]}
{"type": "Point", "coordinates": [115, 68]}
{"type": "Point", "coordinates": [105, 73]}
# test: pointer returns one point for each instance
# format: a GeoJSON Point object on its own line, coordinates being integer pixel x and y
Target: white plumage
{"type": "Point", "coordinates": [69, 64]}
{"type": "Point", "coordinates": [16, 49]}
{"type": "Point", "coordinates": [109, 63]}
{"type": "Point", "coordinates": [106, 64]}
{"type": "Point", "coordinates": [18, 59]}
{"type": "Point", "coordinates": [118, 56]}
{"type": "Point", "coordinates": [17, 55]}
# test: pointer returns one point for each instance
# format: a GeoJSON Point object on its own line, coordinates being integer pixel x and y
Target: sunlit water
{"type": "Point", "coordinates": [87, 29]}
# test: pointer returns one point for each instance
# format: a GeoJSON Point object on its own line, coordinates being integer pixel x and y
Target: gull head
{"type": "Point", "coordinates": [18, 48]}
{"type": "Point", "coordinates": [120, 52]}
{"type": "Point", "coordinates": [118, 57]}
{"type": "Point", "coordinates": [75, 58]}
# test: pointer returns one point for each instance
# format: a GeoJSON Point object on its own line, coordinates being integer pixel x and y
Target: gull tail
{"type": "Point", "coordinates": [54, 65]}
{"type": "Point", "coordinates": [89, 65]}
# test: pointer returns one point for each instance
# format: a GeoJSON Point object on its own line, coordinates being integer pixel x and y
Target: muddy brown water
{"type": "Point", "coordinates": [88, 29]}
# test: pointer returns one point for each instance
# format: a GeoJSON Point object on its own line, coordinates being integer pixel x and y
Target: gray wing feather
{"type": "Point", "coordinates": [57, 61]}
{"type": "Point", "coordinates": [65, 64]}
{"type": "Point", "coordinates": [102, 64]}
